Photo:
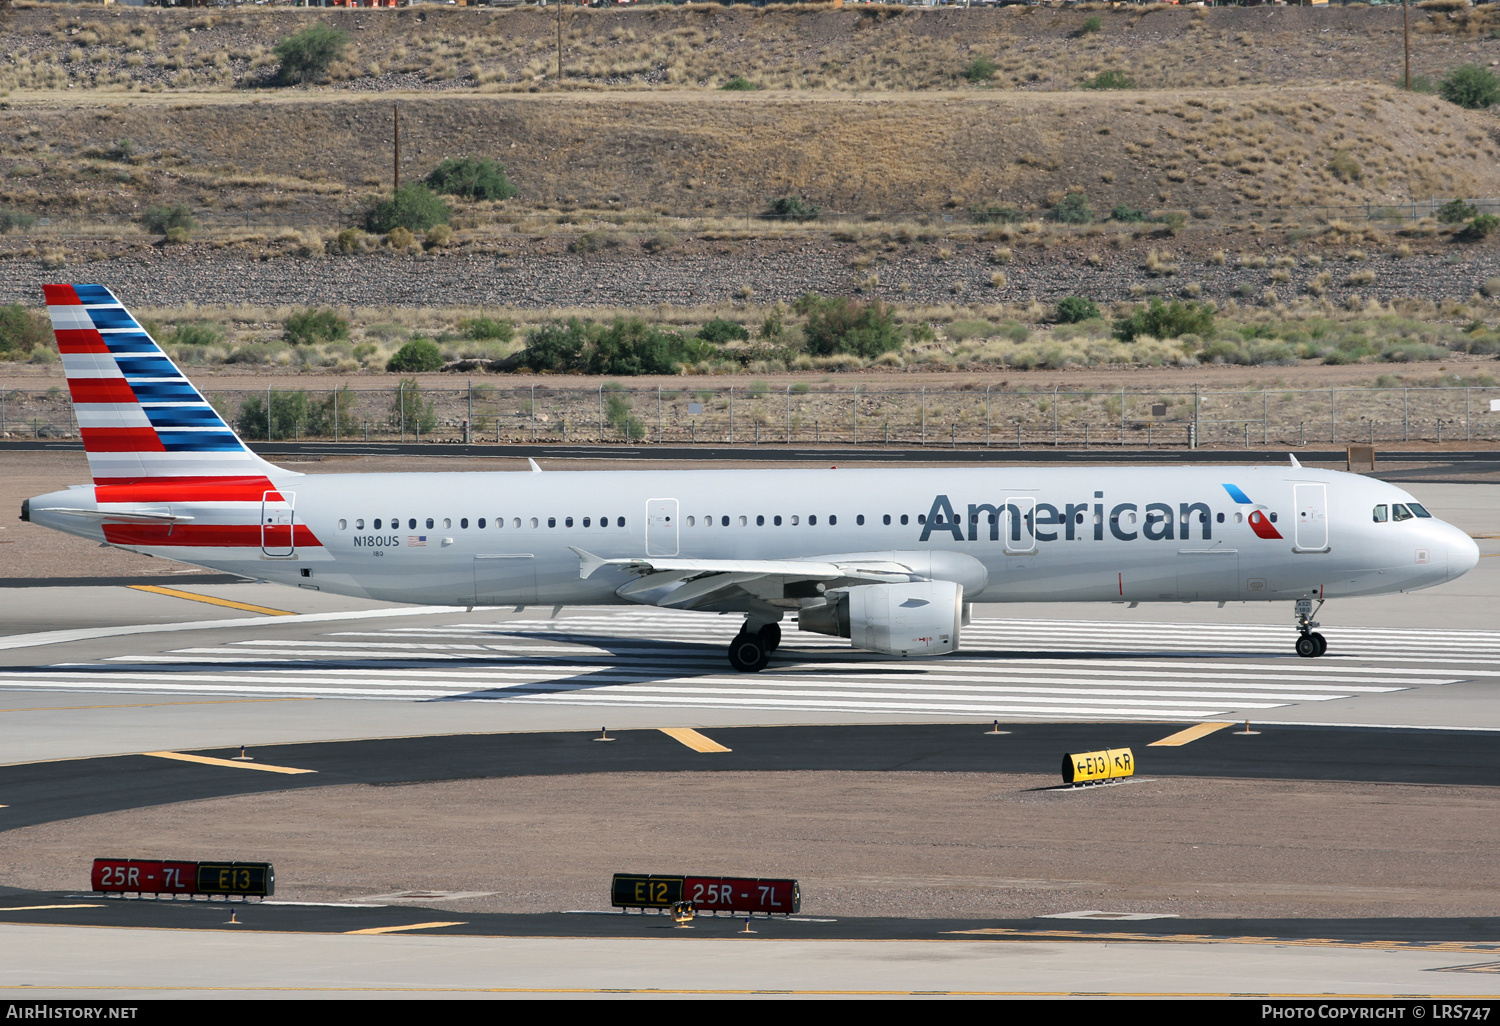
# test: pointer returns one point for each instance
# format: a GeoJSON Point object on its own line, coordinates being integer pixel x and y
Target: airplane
{"type": "Point", "coordinates": [892, 559]}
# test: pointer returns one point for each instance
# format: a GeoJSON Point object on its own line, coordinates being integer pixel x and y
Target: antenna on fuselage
{"type": "Point", "coordinates": [535, 469]}
{"type": "Point", "coordinates": [1291, 456]}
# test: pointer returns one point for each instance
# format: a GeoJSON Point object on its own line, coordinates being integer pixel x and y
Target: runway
{"type": "Point", "coordinates": [674, 660]}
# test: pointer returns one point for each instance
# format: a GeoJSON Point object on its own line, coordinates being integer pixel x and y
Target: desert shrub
{"type": "Point", "coordinates": [11, 220]}
{"type": "Point", "coordinates": [472, 179]}
{"type": "Point", "coordinates": [837, 325]}
{"type": "Point", "coordinates": [617, 412]}
{"type": "Point", "coordinates": [792, 208]}
{"type": "Point", "coordinates": [980, 69]}
{"type": "Point", "coordinates": [305, 57]}
{"type": "Point", "coordinates": [399, 238]}
{"type": "Point", "coordinates": [413, 207]}
{"type": "Point", "coordinates": [410, 412]}
{"type": "Point", "coordinates": [958, 331]}
{"type": "Point", "coordinates": [1160, 320]}
{"type": "Point", "coordinates": [1471, 86]}
{"type": "Point", "coordinates": [196, 333]}
{"type": "Point", "coordinates": [417, 356]}
{"type": "Point", "coordinates": [1074, 309]}
{"type": "Point", "coordinates": [625, 347]}
{"type": "Point", "coordinates": [163, 219]}
{"type": "Point", "coordinates": [1491, 287]}
{"type": "Point", "coordinates": [439, 235]}
{"type": "Point", "coordinates": [594, 241]}
{"type": "Point", "coordinates": [487, 328]}
{"type": "Point", "coordinates": [1480, 228]}
{"type": "Point", "coordinates": [994, 213]}
{"type": "Point", "coordinates": [1456, 211]}
{"type": "Point", "coordinates": [334, 413]}
{"type": "Point", "coordinates": [1129, 214]}
{"type": "Point", "coordinates": [1093, 23]}
{"type": "Point", "coordinates": [23, 331]}
{"type": "Point", "coordinates": [177, 235]}
{"type": "Point", "coordinates": [314, 327]}
{"type": "Point", "coordinates": [659, 242]}
{"type": "Point", "coordinates": [1345, 168]}
{"type": "Point", "coordinates": [1419, 84]}
{"type": "Point", "coordinates": [286, 416]}
{"type": "Point", "coordinates": [1072, 209]}
{"type": "Point", "coordinates": [1109, 80]}
{"type": "Point", "coordinates": [721, 330]}
{"type": "Point", "coordinates": [739, 83]}
{"type": "Point", "coordinates": [350, 240]}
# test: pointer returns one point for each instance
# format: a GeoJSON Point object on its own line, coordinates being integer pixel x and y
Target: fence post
{"type": "Point", "coordinates": [1197, 398]}
{"type": "Point", "coordinates": [268, 413]}
{"type": "Point", "coordinates": [469, 424]}
{"type": "Point", "coordinates": [1122, 418]}
{"type": "Point", "coordinates": [335, 414]}
{"type": "Point", "coordinates": [601, 412]}
{"type": "Point", "coordinates": [731, 414]}
{"type": "Point", "coordinates": [658, 414]}
{"type": "Point", "coordinates": [1468, 437]}
{"type": "Point", "coordinates": [1333, 416]}
{"type": "Point", "coordinates": [1406, 414]}
{"type": "Point", "coordinates": [1054, 416]}
{"type": "Point", "coordinates": [533, 413]}
{"type": "Point", "coordinates": [789, 415]}
{"type": "Point", "coordinates": [1265, 416]}
{"type": "Point", "coordinates": [924, 414]}
{"type": "Point", "coordinates": [987, 415]}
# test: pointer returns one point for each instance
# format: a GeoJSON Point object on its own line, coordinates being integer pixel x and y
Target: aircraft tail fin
{"type": "Point", "coordinates": [141, 419]}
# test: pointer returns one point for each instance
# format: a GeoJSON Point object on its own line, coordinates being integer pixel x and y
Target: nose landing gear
{"type": "Point", "coordinates": [1310, 644]}
{"type": "Point", "coordinates": [751, 650]}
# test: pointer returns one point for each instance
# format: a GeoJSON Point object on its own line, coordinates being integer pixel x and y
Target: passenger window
{"type": "Point", "coordinates": [1273, 518]}
{"type": "Point", "coordinates": [1239, 518]}
{"type": "Point", "coordinates": [724, 522]}
{"type": "Point", "coordinates": [620, 522]}
{"type": "Point", "coordinates": [447, 522]}
{"type": "Point", "coordinates": [464, 523]}
{"type": "Point", "coordinates": [412, 524]}
{"type": "Point", "coordinates": [692, 522]}
{"type": "Point", "coordinates": [481, 523]}
{"type": "Point", "coordinates": [429, 523]}
{"type": "Point", "coordinates": [760, 521]}
{"type": "Point", "coordinates": [995, 516]}
{"type": "Point", "coordinates": [377, 523]}
{"type": "Point", "coordinates": [1220, 517]}
{"type": "Point", "coordinates": [833, 520]}
{"type": "Point", "coordinates": [811, 521]}
{"type": "Point", "coordinates": [551, 521]}
{"type": "Point", "coordinates": [535, 523]}
{"type": "Point", "coordinates": [887, 520]}
{"type": "Point", "coordinates": [1420, 511]}
{"type": "Point", "coordinates": [568, 522]}
{"type": "Point", "coordinates": [587, 522]}
{"type": "Point", "coordinates": [359, 525]}
{"type": "Point", "coordinates": [343, 524]}
{"type": "Point", "coordinates": [1381, 516]}
{"type": "Point", "coordinates": [1400, 512]}
{"type": "Point", "coordinates": [776, 521]}
{"type": "Point", "coordinates": [859, 521]}
{"type": "Point", "coordinates": [903, 520]}
{"type": "Point", "coordinates": [743, 522]}
{"type": "Point", "coordinates": [921, 518]}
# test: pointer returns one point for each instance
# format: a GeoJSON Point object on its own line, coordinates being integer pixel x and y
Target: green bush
{"type": "Point", "coordinates": [1109, 80]}
{"type": "Point", "coordinates": [416, 357]}
{"type": "Point", "coordinates": [1124, 213]}
{"type": "Point", "coordinates": [486, 328]}
{"type": "Point", "coordinates": [410, 411]}
{"type": "Point", "coordinates": [980, 69]}
{"type": "Point", "coordinates": [994, 213]}
{"type": "Point", "coordinates": [836, 324]}
{"type": "Point", "coordinates": [1073, 209]}
{"type": "Point", "coordinates": [314, 327]}
{"type": "Point", "coordinates": [739, 83]}
{"type": "Point", "coordinates": [321, 413]}
{"type": "Point", "coordinates": [198, 333]}
{"type": "Point", "coordinates": [792, 208]}
{"type": "Point", "coordinates": [161, 220]}
{"type": "Point", "coordinates": [617, 412]}
{"type": "Point", "coordinates": [1480, 228]}
{"type": "Point", "coordinates": [627, 346]}
{"type": "Point", "coordinates": [722, 330]}
{"type": "Point", "coordinates": [413, 207]}
{"type": "Point", "coordinates": [1471, 86]}
{"type": "Point", "coordinates": [472, 179]}
{"type": "Point", "coordinates": [1093, 23]}
{"type": "Point", "coordinates": [22, 332]}
{"type": "Point", "coordinates": [11, 220]}
{"type": "Point", "coordinates": [1456, 211]}
{"type": "Point", "coordinates": [1345, 168]}
{"type": "Point", "coordinates": [306, 56]}
{"type": "Point", "coordinates": [1074, 309]}
{"type": "Point", "coordinates": [288, 416]}
{"type": "Point", "coordinates": [1162, 321]}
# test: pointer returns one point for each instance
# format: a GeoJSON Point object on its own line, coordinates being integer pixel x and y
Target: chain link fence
{"type": "Point", "coordinates": [802, 415]}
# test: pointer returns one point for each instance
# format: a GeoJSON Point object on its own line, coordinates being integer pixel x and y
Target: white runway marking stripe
{"type": "Point", "coordinates": [676, 660]}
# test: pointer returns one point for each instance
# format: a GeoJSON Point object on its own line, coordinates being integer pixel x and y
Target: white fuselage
{"type": "Point", "coordinates": [1116, 534]}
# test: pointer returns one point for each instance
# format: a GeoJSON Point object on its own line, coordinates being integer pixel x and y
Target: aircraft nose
{"type": "Point", "coordinates": [1463, 552]}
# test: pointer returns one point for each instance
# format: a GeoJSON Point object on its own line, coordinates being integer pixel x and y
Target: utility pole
{"type": "Point", "coordinates": [396, 136]}
{"type": "Point", "coordinates": [1406, 32]}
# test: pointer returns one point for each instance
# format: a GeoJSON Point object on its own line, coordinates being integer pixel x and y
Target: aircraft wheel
{"type": "Point", "coordinates": [1307, 646]}
{"type": "Point", "coordinates": [748, 653]}
{"type": "Point", "coordinates": [1322, 643]}
{"type": "Point", "coordinates": [771, 635]}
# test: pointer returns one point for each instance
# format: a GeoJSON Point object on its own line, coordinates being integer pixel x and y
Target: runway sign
{"type": "Point", "coordinates": [706, 893]}
{"type": "Point", "coordinates": [147, 876]}
{"type": "Point", "coordinates": [1089, 767]}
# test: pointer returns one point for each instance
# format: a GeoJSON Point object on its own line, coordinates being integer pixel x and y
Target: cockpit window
{"type": "Point", "coordinates": [1382, 513]}
{"type": "Point", "coordinates": [1400, 512]}
{"type": "Point", "coordinates": [1419, 511]}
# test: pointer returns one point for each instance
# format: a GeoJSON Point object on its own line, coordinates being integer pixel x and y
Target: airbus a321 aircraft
{"type": "Point", "coordinates": [890, 559]}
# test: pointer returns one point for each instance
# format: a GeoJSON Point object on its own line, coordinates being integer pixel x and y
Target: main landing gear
{"type": "Point", "coordinates": [751, 649]}
{"type": "Point", "coordinates": [1310, 644]}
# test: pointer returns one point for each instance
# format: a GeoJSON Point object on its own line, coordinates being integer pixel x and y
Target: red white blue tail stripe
{"type": "Point", "coordinates": [138, 415]}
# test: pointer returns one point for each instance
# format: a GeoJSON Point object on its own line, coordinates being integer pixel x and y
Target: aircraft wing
{"type": "Point", "coordinates": [701, 583]}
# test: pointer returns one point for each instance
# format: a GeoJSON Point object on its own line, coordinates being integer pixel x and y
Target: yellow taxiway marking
{"type": "Point", "coordinates": [694, 740]}
{"type": "Point", "coordinates": [38, 908]}
{"type": "Point", "coordinates": [231, 763]}
{"type": "Point", "coordinates": [174, 593]}
{"type": "Point", "coordinates": [400, 929]}
{"type": "Point", "coordinates": [1193, 733]}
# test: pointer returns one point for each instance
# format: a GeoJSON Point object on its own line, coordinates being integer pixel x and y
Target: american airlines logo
{"type": "Point", "coordinates": [1125, 521]}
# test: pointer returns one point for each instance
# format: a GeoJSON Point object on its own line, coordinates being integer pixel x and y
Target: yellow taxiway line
{"type": "Point", "coordinates": [1192, 733]}
{"type": "Point", "coordinates": [694, 740]}
{"type": "Point", "coordinates": [174, 593]}
{"type": "Point", "coordinates": [230, 763]}
{"type": "Point", "coordinates": [399, 929]}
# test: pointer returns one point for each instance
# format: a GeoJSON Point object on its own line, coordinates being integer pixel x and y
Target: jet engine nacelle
{"type": "Point", "coordinates": [908, 620]}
